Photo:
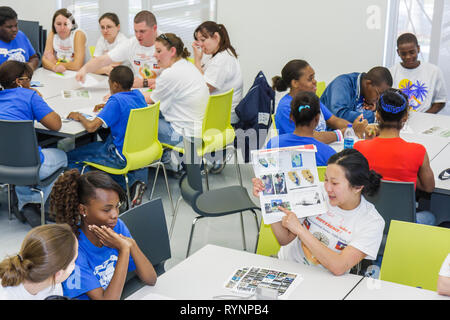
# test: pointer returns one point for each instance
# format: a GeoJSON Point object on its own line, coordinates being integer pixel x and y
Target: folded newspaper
{"type": "Point", "coordinates": [291, 181]}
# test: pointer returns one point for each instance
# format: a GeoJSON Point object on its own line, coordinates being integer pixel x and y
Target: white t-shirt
{"type": "Point", "coordinates": [65, 49]}
{"type": "Point", "coordinates": [445, 269]}
{"type": "Point", "coordinates": [223, 72]}
{"type": "Point", "coordinates": [423, 85]}
{"type": "Point", "coordinates": [103, 46]}
{"type": "Point", "coordinates": [20, 293]}
{"type": "Point", "coordinates": [140, 58]}
{"type": "Point", "coordinates": [184, 95]}
{"type": "Point", "coordinates": [361, 228]}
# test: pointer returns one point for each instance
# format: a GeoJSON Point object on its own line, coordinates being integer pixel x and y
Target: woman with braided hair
{"type": "Point", "coordinates": [46, 258]}
{"type": "Point", "coordinates": [90, 204]}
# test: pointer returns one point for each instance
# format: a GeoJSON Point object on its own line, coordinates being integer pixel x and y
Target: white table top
{"type": "Point", "coordinates": [373, 289]}
{"type": "Point", "coordinates": [203, 276]}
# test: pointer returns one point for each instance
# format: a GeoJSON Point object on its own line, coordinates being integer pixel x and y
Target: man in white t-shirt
{"type": "Point", "coordinates": [443, 285]}
{"type": "Point", "coordinates": [137, 51]}
{"type": "Point", "coordinates": [421, 81]}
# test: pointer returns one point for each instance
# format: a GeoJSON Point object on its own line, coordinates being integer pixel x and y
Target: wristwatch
{"type": "Point", "coordinates": [145, 83]}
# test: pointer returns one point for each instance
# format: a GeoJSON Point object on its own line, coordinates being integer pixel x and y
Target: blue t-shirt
{"type": "Point", "coordinates": [94, 267]}
{"type": "Point", "coordinates": [23, 104]}
{"type": "Point", "coordinates": [324, 151]}
{"type": "Point", "coordinates": [20, 49]}
{"type": "Point", "coordinates": [116, 112]}
{"type": "Point", "coordinates": [286, 125]}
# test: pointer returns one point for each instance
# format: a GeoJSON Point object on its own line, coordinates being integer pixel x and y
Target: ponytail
{"type": "Point", "coordinates": [357, 172]}
{"type": "Point", "coordinates": [170, 40]}
{"type": "Point", "coordinates": [305, 106]}
{"type": "Point", "coordinates": [45, 250]}
{"type": "Point", "coordinates": [293, 70]}
{"type": "Point", "coordinates": [279, 84]}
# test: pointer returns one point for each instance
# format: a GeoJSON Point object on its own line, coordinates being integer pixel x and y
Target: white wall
{"type": "Point", "coordinates": [40, 10]}
{"type": "Point", "coordinates": [335, 37]}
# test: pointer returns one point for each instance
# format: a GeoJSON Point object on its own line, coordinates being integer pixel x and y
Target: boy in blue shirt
{"type": "Point", "coordinates": [14, 44]}
{"type": "Point", "coordinates": [350, 95]}
{"type": "Point", "coordinates": [114, 115]}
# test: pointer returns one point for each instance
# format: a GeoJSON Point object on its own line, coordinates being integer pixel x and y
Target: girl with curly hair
{"type": "Point", "coordinates": [46, 258]}
{"type": "Point", "coordinates": [90, 204]}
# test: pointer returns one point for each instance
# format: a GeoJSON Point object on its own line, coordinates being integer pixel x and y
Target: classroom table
{"type": "Point", "coordinates": [202, 276]}
{"type": "Point", "coordinates": [53, 83]}
{"type": "Point", "coordinates": [374, 289]}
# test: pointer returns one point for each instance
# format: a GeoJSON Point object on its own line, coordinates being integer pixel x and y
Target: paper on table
{"type": "Point", "coordinates": [89, 81]}
{"type": "Point", "coordinates": [68, 74]}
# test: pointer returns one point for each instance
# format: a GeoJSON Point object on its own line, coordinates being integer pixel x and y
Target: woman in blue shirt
{"type": "Point", "coordinates": [305, 112]}
{"type": "Point", "coordinates": [17, 102]}
{"type": "Point", "coordinates": [90, 204]}
{"type": "Point", "coordinates": [298, 75]}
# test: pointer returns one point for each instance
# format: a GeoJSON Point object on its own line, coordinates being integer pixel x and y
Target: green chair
{"type": "Point", "coordinates": [414, 254]}
{"type": "Point", "coordinates": [274, 126]}
{"type": "Point", "coordinates": [320, 88]}
{"type": "Point", "coordinates": [141, 147]}
{"type": "Point", "coordinates": [217, 132]}
{"type": "Point", "coordinates": [267, 242]}
{"type": "Point", "coordinates": [91, 51]}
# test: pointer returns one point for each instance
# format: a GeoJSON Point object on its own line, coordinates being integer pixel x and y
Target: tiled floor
{"type": "Point", "coordinates": [223, 231]}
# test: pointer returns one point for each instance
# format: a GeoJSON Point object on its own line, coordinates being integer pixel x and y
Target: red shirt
{"type": "Point", "coordinates": [393, 158]}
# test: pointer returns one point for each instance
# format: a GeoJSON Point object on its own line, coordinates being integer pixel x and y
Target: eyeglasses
{"type": "Point", "coordinates": [164, 37]}
{"type": "Point", "coordinates": [445, 175]}
{"type": "Point", "coordinates": [374, 102]}
{"type": "Point", "coordinates": [24, 79]}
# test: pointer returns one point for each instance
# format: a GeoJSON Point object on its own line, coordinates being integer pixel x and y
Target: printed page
{"type": "Point", "coordinates": [291, 181]}
{"type": "Point", "coordinates": [76, 94]}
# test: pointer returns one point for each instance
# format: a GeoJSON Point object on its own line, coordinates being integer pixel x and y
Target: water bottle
{"type": "Point", "coordinates": [349, 137]}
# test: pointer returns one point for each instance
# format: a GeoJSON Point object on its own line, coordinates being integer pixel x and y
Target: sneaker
{"type": "Point", "coordinates": [15, 206]}
{"type": "Point", "coordinates": [32, 214]}
{"type": "Point", "coordinates": [137, 192]}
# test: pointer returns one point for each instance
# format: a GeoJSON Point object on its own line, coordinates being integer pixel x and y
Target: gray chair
{"type": "Point", "coordinates": [147, 225]}
{"type": "Point", "coordinates": [20, 161]}
{"type": "Point", "coordinates": [210, 203]}
{"type": "Point", "coordinates": [394, 201]}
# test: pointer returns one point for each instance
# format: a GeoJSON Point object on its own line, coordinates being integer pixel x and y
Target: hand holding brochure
{"type": "Point", "coordinates": [291, 181]}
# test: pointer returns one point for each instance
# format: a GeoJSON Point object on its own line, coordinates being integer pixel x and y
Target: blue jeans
{"type": "Point", "coordinates": [53, 160]}
{"type": "Point", "coordinates": [104, 153]}
{"type": "Point", "coordinates": [167, 135]}
{"type": "Point", "coordinates": [425, 217]}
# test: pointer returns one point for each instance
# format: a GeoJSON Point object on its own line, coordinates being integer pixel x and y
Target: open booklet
{"type": "Point", "coordinates": [291, 181]}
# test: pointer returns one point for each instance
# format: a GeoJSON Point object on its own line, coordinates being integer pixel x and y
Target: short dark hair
{"type": "Point", "coordinates": [305, 106]}
{"type": "Point", "coordinates": [123, 76]}
{"type": "Point", "coordinates": [379, 75]}
{"type": "Point", "coordinates": [7, 13]}
{"type": "Point", "coordinates": [407, 38]}
{"type": "Point", "coordinates": [291, 71]}
{"type": "Point", "coordinates": [111, 16]}
{"type": "Point", "coordinates": [65, 13]}
{"type": "Point", "coordinates": [357, 171]}
{"type": "Point", "coordinates": [147, 16]}
{"type": "Point", "coordinates": [11, 70]}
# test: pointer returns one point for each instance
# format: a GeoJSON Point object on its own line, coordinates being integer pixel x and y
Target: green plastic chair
{"type": "Point", "coordinates": [217, 132]}
{"type": "Point", "coordinates": [320, 88]}
{"type": "Point", "coordinates": [267, 242]}
{"type": "Point", "coordinates": [141, 147]}
{"type": "Point", "coordinates": [414, 254]}
{"type": "Point", "coordinates": [91, 51]}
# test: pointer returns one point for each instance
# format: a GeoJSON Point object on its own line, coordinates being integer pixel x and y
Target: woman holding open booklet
{"type": "Point", "coordinates": [348, 232]}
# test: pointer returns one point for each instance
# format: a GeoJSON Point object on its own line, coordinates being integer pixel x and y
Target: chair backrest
{"type": "Point", "coordinates": [19, 158]}
{"type": "Point", "coordinates": [192, 164]}
{"type": "Point", "coordinates": [414, 254]}
{"type": "Point", "coordinates": [147, 225]}
{"type": "Point", "coordinates": [91, 51]}
{"type": "Point", "coordinates": [217, 131]}
{"type": "Point", "coordinates": [267, 242]}
{"type": "Point", "coordinates": [320, 88]}
{"type": "Point", "coordinates": [395, 201]}
{"type": "Point", "coordinates": [141, 146]}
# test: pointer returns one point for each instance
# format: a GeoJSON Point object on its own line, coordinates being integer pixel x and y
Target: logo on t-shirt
{"type": "Point", "coordinates": [105, 271]}
{"type": "Point", "coordinates": [417, 92]}
{"type": "Point", "coordinates": [137, 62]}
{"type": "Point", "coordinates": [17, 55]}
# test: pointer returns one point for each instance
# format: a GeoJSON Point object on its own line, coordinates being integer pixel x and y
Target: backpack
{"type": "Point", "coordinates": [255, 116]}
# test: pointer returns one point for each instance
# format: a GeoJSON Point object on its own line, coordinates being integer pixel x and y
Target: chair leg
{"type": "Point", "coordinates": [172, 224]}
{"type": "Point", "coordinates": [154, 182]}
{"type": "Point", "coordinates": [205, 167]}
{"type": "Point", "coordinates": [192, 233]}
{"type": "Point", "coordinates": [41, 193]}
{"type": "Point", "coordinates": [168, 188]}
{"type": "Point", "coordinates": [243, 232]}
{"type": "Point", "coordinates": [257, 228]}
{"type": "Point", "coordinates": [82, 170]}
{"type": "Point", "coordinates": [9, 202]}
{"type": "Point", "coordinates": [128, 191]}
{"type": "Point", "coordinates": [238, 169]}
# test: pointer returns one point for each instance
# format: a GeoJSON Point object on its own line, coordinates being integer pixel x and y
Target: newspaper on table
{"type": "Point", "coordinates": [245, 281]}
{"type": "Point", "coordinates": [76, 94]}
{"type": "Point", "coordinates": [291, 181]}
